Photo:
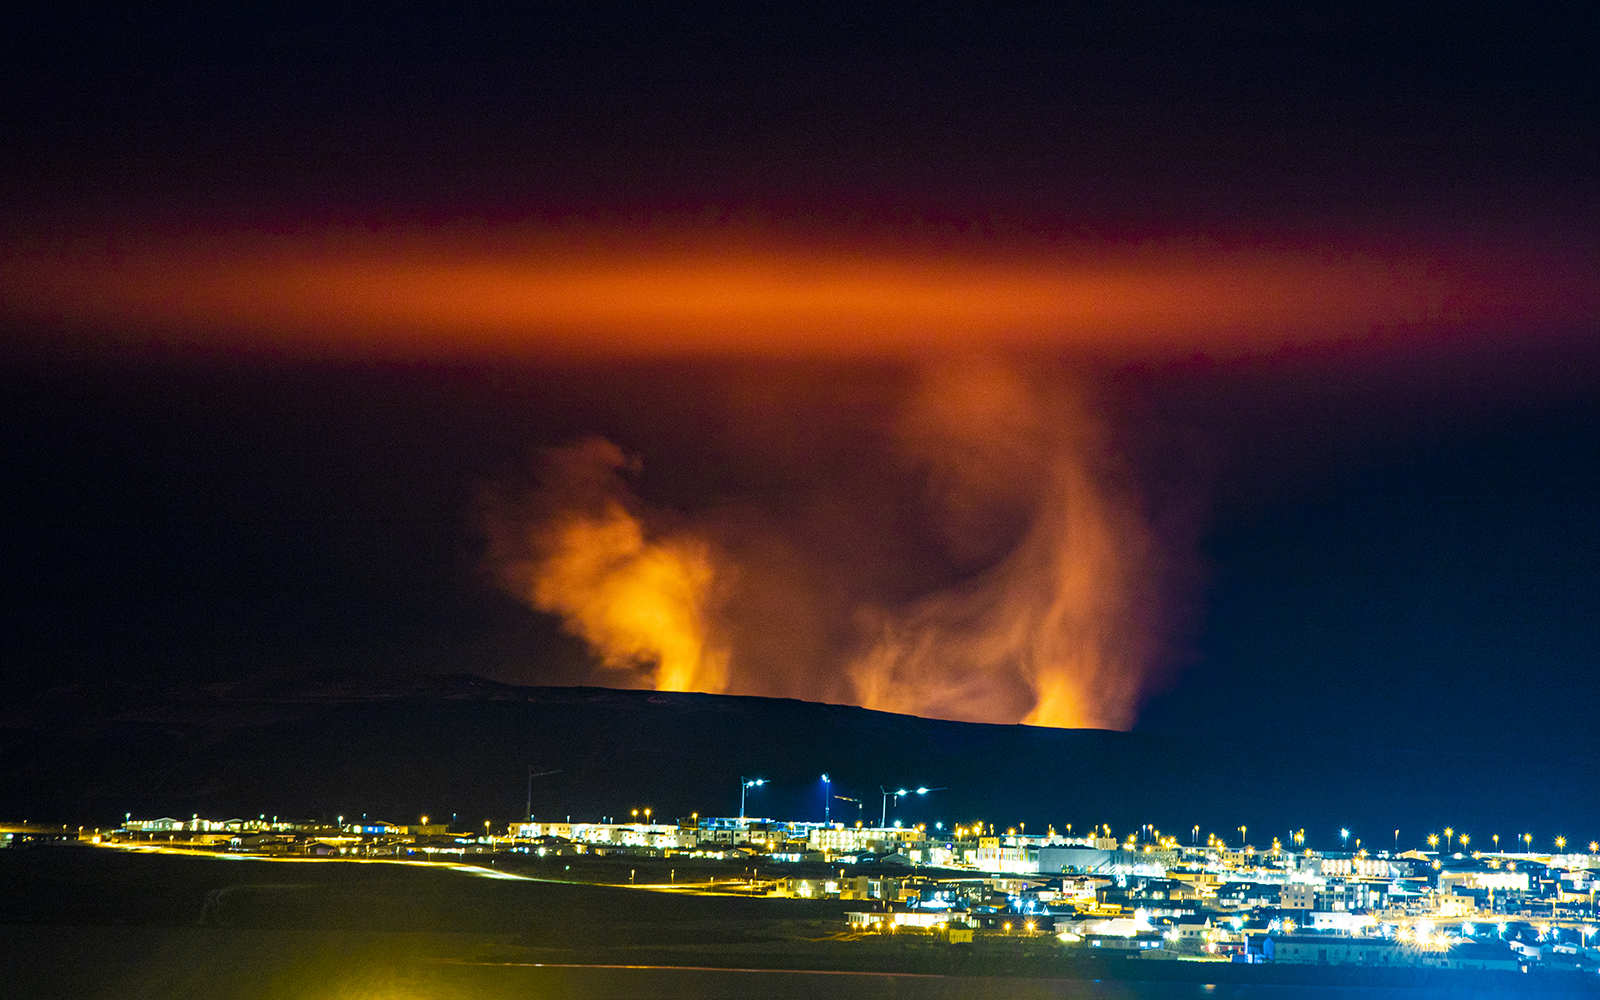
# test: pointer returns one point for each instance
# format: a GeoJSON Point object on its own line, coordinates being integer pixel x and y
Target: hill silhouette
{"type": "Point", "coordinates": [326, 744]}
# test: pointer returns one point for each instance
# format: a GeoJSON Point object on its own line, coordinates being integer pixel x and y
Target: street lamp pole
{"type": "Point", "coordinates": [827, 800]}
{"type": "Point", "coordinates": [883, 818]}
{"type": "Point", "coordinates": [747, 783]}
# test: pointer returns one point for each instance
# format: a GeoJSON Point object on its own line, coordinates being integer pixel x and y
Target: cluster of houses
{"type": "Point", "coordinates": [1150, 900]}
{"type": "Point", "coordinates": [1159, 901]}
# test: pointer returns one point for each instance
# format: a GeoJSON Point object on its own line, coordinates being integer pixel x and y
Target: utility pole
{"type": "Point", "coordinates": [529, 814]}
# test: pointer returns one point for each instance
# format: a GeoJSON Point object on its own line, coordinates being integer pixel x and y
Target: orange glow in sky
{"type": "Point", "coordinates": [367, 294]}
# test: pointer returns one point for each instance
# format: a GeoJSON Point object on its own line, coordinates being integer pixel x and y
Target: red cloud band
{"type": "Point", "coordinates": [407, 295]}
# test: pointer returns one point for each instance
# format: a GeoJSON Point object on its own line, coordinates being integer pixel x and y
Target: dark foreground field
{"type": "Point", "coordinates": [82, 922]}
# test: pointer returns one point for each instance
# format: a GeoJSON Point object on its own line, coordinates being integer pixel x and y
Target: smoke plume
{"type": "Point", "coordinates": [983, 554]}
{"type": "Point", "coordinates": [1062, 628]}
{"type": "Point", "coordinates": [577, 549]}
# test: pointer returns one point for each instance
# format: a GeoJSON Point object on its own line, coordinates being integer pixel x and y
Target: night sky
{"type": "Point", "coordinates": [1248, 356]}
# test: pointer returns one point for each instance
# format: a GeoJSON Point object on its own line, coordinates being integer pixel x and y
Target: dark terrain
{"type": "Point", "coordinates": [323, 745]}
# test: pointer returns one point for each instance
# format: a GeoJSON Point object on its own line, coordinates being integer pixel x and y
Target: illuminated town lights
{"type": "Point", "coordinates": [1433, 840]}
{"type": "Point", "coordinates": [1561, 843]}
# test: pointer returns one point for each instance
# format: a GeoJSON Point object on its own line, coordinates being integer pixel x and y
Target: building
{"type": "Point", "coordinates": [1387, 952]}
{"type": "Point", "coordinates": [1297, 896]}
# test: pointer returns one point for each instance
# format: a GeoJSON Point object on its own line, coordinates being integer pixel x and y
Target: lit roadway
{"type": "Point", "coordinates": [712, 887]}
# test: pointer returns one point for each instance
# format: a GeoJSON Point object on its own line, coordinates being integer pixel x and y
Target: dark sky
{"type": "Point", "coordinates": [1384, 535]}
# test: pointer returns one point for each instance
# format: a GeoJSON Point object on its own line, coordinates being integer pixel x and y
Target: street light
{"type": "Point", "coordinates": [883, 816]}
{"type": "Point", "coordinates": [827, 800]}
{"type": "Point", "coordinates": [744, 784]}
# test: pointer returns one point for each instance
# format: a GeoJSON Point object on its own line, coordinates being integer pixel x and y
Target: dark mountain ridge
{"type": "Point", "coordinates": [397, 747]}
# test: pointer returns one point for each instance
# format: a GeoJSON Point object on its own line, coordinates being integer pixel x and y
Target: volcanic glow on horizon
{"type": "Point", "coordinates": [364, 293]}
{"type": "Point", "coordinates": [1063, 628]}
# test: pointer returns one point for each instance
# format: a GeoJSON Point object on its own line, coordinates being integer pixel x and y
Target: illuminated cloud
{"type": "Point", "coordinates": [724, 292]}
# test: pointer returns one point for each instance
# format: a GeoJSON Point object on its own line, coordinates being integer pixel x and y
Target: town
{"type": "Point", "coordinates": [1142, 894]}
